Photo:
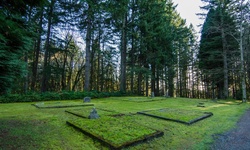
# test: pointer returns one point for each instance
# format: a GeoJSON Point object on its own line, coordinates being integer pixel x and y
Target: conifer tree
{"type": "Point", "coordinates": [240, 12]}
{"type": "Point", "coordinates": [15, 41]}
{"type": "Point", "coordinates": [219, 25]}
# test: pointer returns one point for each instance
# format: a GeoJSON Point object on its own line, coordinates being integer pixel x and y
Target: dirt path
{"type": "Point", "coordinates": [236, 139]}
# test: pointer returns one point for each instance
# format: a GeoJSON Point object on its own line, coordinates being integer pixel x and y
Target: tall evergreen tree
{"type": "Point", "coordinates": [15, 41]}
{"type": "Point", "coordinates": [210, 54]}
{"type": "Point", "coordinates": [215, 45]}
{"type": "Point", "coordinates": [240, 11]}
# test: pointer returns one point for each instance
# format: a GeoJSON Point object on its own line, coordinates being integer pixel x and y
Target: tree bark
{"type": "Point", "coordinates": [139, 81]}
{"type": "Point", "coordinates": [37, 51]}
{"type": "Point", "coordinates": [170, 81]}
{"type": "Point", "coordinates": [88, 53]}
{"type": "Point", "coordinates": [153, 76]}
{"type": "Point", "coordinates": [243, 82]}
{"type": "Point", "coordinates": [102, 72]}
{"type": "Point", "coordinates": [123, 55]}
{"type": "Point", "coordinates": [224, 45]}
{"type": "Point", "coordinates": [225, 65]}
{"type": "Point", "coordinates": [46, 75]}
{"type": "Point", "coordinates": [77, 77]}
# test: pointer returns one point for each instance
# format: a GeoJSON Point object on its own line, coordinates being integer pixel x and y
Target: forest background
{"type": "Point", "coordinates": [72, 48]}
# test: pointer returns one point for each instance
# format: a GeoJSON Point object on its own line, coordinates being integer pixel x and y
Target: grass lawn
{"type": "Point", "coordinates": [25, 127]}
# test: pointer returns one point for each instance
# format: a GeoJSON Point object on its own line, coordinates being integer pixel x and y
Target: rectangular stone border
{"type": "Point", "coordinates": [65, 106]}
{"type": "Point", "coordinates": [207, 114]}
{"type": "Point", "coordinates": [117, 114]}
{"type": "Point", "coordinates": [150, 100]}
{"type": "Point", "coordinates": [125, 114]}
{"type": "Point", "coordinates": [78, 115]}
{"type": "Point", "coordinates": [229, 104]}
{"type": "Point", "coordinates": [114, 146]}
{"type": "Point", "coordinates": [107, 110]}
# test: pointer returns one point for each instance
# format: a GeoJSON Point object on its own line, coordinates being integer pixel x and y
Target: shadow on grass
{"type": "Point", "coordinates": [20, 134]}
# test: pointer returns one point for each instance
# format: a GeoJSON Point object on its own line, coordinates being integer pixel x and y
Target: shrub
{"type": "Point", "coordinates": [63, 95]}
{"type": "Point", "coordinates": [50, 96]}
{"type": "Point", "coordinates": [30, 97]}
{"type": "Point", "coordinates": [66, 95]}
{"type": "Point", "coordinates": [14, 98]}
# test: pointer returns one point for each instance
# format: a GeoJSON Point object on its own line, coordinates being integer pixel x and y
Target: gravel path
{"type": "Point", "coordinates": [236, 139]}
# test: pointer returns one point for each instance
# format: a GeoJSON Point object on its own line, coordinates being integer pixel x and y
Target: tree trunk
{"type": "Point", "coordinates": [132, 51]}
{"type": "Point", "coordinates": [153, 78]}
{"type": "Point", "coordinates": [77, 77]}
{"type": "Point", "coordinates": [225, 66]}
{"type": "Point", "coordinates": [92, 68]}
{"type": "Point", "coordinates": [224, 45]}
{"type": "Point", "coordinates": [98, 58]}
{"type": "Point", "coordinates": [146, 85]}
{"type": "Point", "coordinates": [26, 78]}
{"type": "Point", "coordinates": [102, 71]}
{"type": "Point", "coordinates": [37, 51]}
{"type": "Point", "coordinates": [157, 90]}
{"type": "Point", "coordinates": [63, 79]}
{"type": "Point", "coordinates": [243, 82]}
{"type": "Point", "coordinates": [171, 81]}
{"type": "Point", "coordinates": [139, 81]}
{"type": "Point", "coordinates": [102, 74]}
{"type": "Point", "coordinates": [69, 78]}
{"type": "Point", "coordinates": [166, 82]}
{"type": "Point", "coordinates": [123, 55]}
{"type": "Point", "coordinates": [88, 53]}
{"type": "Point", "coordinates": [65, 59]}
{"type": "Point", "coordinates": [46, 74]}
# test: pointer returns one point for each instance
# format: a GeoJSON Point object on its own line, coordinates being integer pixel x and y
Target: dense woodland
{"type": "Point", "coordinates": [132, 46]}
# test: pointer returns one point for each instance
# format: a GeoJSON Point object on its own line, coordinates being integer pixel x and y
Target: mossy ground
{"type": "Point", "coordinates": [23, 126]}
{"type": "Point", "coordinates": [116, 131]}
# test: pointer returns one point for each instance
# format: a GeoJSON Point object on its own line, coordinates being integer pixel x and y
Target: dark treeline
{"type": "Point", "coordinates": [132, 46]}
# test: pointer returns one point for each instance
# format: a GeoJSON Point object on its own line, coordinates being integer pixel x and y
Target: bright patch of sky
{"type": "Point", "coordinates": [188, 10]}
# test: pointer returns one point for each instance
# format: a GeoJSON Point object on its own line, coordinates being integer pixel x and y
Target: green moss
{"type": "Point", "coordinates": [117, 132]}
{"type": "Point", "coordinates": [177, 114]}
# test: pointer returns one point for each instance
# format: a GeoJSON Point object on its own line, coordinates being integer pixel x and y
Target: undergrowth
{"type": "Point", "coordinates": [63, 95]}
